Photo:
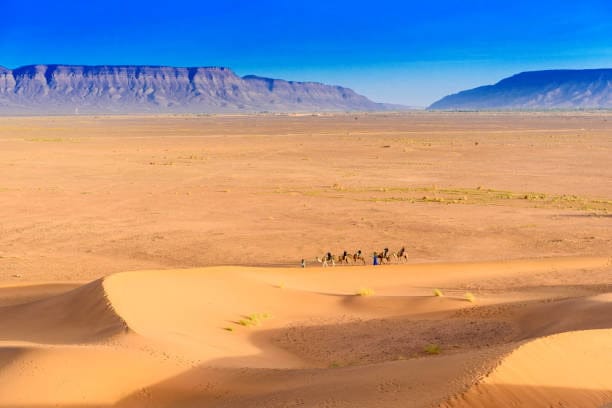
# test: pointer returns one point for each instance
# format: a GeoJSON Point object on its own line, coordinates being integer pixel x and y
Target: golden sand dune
{"type": "Point", "coordinates": [271, 337]}
{"type": "Point", "coordinates": [564, 370]}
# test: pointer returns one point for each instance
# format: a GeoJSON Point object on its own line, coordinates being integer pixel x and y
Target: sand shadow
{"type": "Point", "coordinates": [416, 384]}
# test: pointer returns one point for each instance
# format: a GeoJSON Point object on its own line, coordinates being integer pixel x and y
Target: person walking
{"type": "Point", "coordinates": [375, 259]}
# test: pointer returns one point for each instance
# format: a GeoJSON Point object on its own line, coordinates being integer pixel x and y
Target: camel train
{"type": "Point", "coordinates": [378, 258]}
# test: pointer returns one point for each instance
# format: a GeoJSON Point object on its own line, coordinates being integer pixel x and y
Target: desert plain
{"type": "Point", "coordinates": [154, 261]}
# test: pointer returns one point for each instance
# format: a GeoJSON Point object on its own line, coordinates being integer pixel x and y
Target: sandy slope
{"type": "Point", "coordinates": [565, 370]}
{"type": "Point", "coordinates": [160, 338]}
{"type": "Point", "coordinates": [81, 315]}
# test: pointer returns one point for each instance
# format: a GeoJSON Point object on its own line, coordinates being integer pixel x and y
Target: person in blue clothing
{"type": "Point", "coordinates": [375, 259]}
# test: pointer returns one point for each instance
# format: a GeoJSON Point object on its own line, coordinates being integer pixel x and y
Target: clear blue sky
{"type": "Point", "coordinates": [391, 51]}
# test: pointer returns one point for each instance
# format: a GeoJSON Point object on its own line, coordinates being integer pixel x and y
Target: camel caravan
{"type": "Point", "coordinates": [358, 258]}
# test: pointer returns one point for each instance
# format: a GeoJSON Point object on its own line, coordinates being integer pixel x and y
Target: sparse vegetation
{"type": "Point", "coordinates": [45, 139]}
{"type": "Point", "coordinates": [247, 322]}
{"type": "Point", "coordinates": [469, 296]}
{"type": "Point", "coordinates": [165, 163]}
{"type": "Point", "coordinates": [254, 319]}
{"type": "Point", "coordinates": [192, 157]}
{"type": "Point", "coordinates": [365, 292]}
{"type": "Point", "coordinates": [438, 293]}
{"type": "Point", "coordinates": [469, 196]}
{"type": "Point", "coordinates": [432, 349]}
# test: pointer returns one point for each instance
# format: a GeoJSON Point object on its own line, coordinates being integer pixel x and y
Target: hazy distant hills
{"type": "Point", "coordinates": [68, 89]}
{"type": "Point", "coordinates": [554, 89]}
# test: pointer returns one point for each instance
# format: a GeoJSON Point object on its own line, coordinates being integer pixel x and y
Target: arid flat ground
{"type": "Point", "coordinates": [154, 261]}
{"type": "Point", "coordinates": [85, 197]}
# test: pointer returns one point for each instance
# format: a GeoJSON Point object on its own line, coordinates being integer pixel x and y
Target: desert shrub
{"type": "Point", "coordinates": [254, 319]}
{"type": "Point", "coordinates": [469, 296]}
{"type": "Point", "coordinates": [365, 292]}
{"type": "Point", "coordinates": [438, 293]}
{"type": "Point", "coordinates": [432, 349]}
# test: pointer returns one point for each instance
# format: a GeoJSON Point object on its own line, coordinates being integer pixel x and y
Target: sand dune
{"type": "Point", "coordinates": [34, 375]}
{"type": "Point", "coordinates": [175, 338]}
{"type": "Point", "coordinates": [81, 315]}
{"type": "Point", "coordinates": [566, 370]}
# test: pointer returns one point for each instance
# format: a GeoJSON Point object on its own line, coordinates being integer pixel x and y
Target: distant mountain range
{"type": "Point", "coordinates": [554, 89]}
{"type": "Point", "coordinates": [69, 89]}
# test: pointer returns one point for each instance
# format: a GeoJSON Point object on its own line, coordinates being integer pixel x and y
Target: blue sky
{"type": "Point", "coordinates": [391, 51]}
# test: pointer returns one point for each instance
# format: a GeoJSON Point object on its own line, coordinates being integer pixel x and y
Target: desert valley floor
{"type": "Point", "coordinates": [154, 261]}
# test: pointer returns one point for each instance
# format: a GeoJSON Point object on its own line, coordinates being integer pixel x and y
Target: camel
{"type": "Point", "coordinates": [384, 256]}
{"type": "Point", "coordinates": [345, 258]}
{"type": "Point", "coordinates": [358, 256]}
{"type": "Point", "coordinates": [326, 260]}
{"type": "Point", "coordinates": [401, 256]}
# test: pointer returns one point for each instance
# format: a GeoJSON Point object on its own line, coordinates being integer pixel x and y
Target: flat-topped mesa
{"type": "Point", "coordinates": [307, 92]}
{"type": "Point", "coordinates": [553, 89]}
{"type": "Point", "coordinates": [40, 89]}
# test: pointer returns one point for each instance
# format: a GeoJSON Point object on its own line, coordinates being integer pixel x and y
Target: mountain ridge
{"type": "Point", "coordinates": [68, 89]}
{"type": "Point", "coordinates": [546, 89]}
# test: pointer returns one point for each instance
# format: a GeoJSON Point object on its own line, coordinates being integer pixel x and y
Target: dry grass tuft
{"type": "Point", "coordinates": [365, 292]}
{"type": "Point", "coordinates": [432, 349]}
{"type": "Point", "coordinates": [254, 319]}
